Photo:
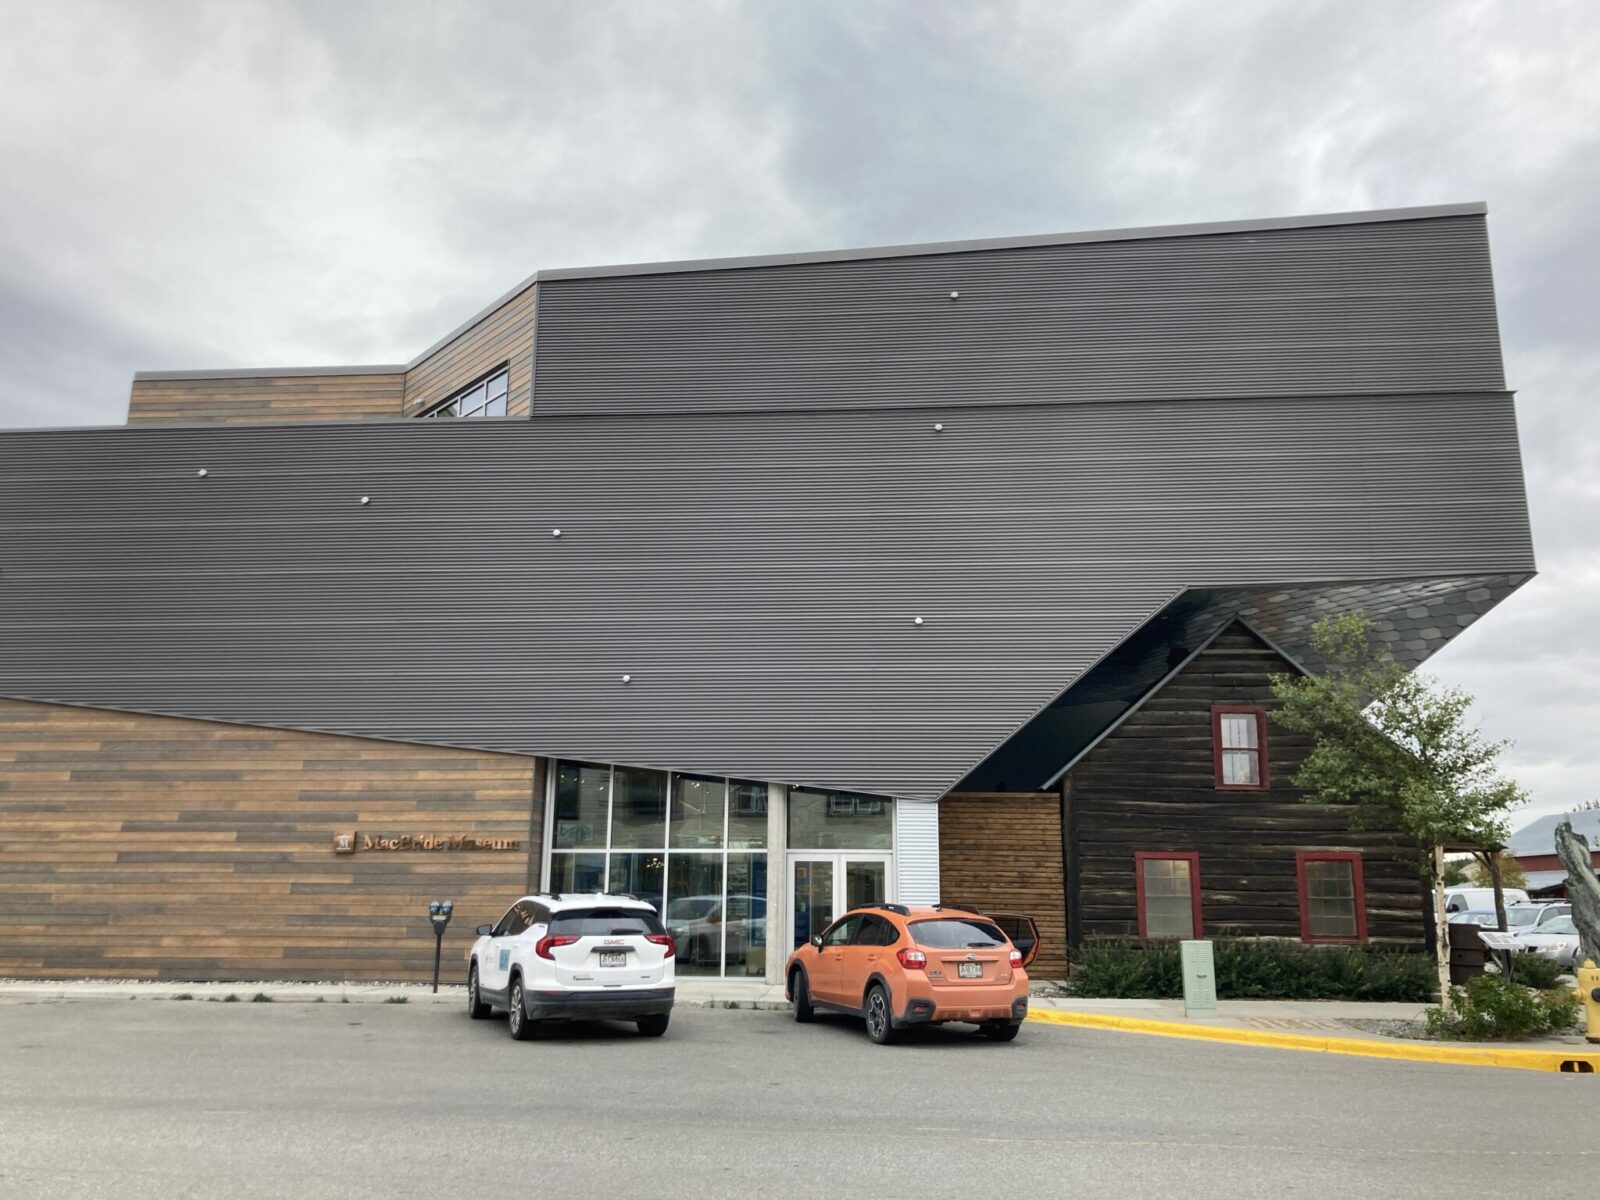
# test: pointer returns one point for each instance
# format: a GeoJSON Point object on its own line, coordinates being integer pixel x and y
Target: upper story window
{"type": "Point", "coordinates": [1239, 741]}
{"type": "Point", "coordinates": [485, 398]}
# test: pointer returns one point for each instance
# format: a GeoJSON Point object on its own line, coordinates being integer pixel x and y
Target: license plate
{"type": "Point", "coordinates": [969, 970]}
{"type": "Point", "coordinates": [613, 958]}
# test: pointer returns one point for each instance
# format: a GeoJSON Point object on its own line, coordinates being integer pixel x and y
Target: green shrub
{"type": "Point", "coordinates": [261, 998]}
{"type": "Point", "coordinates": [1254, 969]}
{"type": "Point", "coordinates": [1494, 1007]}
{"type": "Point", "coordinates": [1535, 970]}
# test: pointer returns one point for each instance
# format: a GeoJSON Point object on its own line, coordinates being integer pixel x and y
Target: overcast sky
{"type": "Point", "coordinates": [268, 184]}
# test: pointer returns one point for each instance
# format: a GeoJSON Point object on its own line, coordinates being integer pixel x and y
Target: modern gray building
{"type": "Point", "coordinates": [760, 587]}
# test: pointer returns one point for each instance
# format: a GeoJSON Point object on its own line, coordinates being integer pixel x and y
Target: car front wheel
{"type": "Point", "coordinates": [654, 1025]}
{"type": "Point", "coordinates": [803, 1012]}
{"type": "Point", "coordinates": [476, 1008]}
{"type": "Point", "coordinates": [880, 1019]}
{"type": "Point", "coordinates": [523, 1027]}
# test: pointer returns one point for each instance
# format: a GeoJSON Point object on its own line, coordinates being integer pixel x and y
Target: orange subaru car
{"type": "Point", "coordinates": [899, 966]}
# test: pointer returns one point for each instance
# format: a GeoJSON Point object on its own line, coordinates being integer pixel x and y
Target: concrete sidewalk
{"type": "Point", "coordinates": [693, 993]}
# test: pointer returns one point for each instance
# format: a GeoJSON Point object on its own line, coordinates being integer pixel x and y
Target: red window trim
{"type": "Point", "coordinates": [1358, 883]}
{"type": "Point", "coordinates": [1218, 711]}
{"type": "Point", "coordinates": [1193, 859]}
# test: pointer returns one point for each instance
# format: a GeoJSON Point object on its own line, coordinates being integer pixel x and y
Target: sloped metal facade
{"type": "Point", "coordinates": [762, 478]}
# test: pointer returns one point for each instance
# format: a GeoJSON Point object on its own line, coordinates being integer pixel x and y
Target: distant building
{"type": "Point", "coordinates": [1534, 848]}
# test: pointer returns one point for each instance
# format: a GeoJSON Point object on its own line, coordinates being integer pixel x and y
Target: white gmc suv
{"type": "Point", "coordinates": [574, 957]}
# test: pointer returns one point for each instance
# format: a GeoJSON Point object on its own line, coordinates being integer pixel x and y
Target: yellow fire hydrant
{"type": "Point", "coordinates": [1589, 988]}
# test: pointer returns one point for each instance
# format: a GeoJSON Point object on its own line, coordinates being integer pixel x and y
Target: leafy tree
{"type": "Point", "coordinates": [1510, 872]}
{"type": "Point", "coordinates": [1455, 873]}
{"type": "Point", "coordinates": [1394, 747]}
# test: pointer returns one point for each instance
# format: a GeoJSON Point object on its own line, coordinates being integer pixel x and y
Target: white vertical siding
{"type": "Point", "coordinates": [916, 851]}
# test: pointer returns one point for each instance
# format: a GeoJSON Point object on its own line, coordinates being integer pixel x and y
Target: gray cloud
{"type": "Point", "coordinates": [260, 184]}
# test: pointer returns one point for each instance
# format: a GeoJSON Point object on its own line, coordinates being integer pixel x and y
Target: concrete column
{"type": "Point", "coordinates": [779, 920]}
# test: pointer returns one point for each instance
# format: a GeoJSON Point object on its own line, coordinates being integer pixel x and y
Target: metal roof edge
{"type": "Point", "coordinates": [1138, 233]}
{"type": "Point", "coordinates": [268, 372]}
{"type": "Point", "coordinates": [475, 319]}
{"type": "Point", "coordinates": [1137, 704]}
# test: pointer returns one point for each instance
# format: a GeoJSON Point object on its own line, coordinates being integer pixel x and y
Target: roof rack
{"type": "Point", "coordinates": [899, 909]}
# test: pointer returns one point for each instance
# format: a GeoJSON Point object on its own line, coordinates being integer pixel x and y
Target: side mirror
{"type": "Point", "coordinates": [816, 940]}
{"type": "Point", "coordinates": [485, 930]}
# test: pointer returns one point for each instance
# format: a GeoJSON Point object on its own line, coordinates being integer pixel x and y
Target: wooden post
{"type": "Point", "coordinates": [1492, 859]}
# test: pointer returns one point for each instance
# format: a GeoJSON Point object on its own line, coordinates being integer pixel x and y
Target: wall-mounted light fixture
{"type": "Point", "coordinates": [955, 295]}
{"type": "Point", "coordinates": [555, 533]}
{"type": "Point", "coordinates": [366, 499]}
{"type": "Point", "coordinates": [916, 620]}
{"type": "Point", "coordinates": [202, 472]}
{"type": "Point", "coordinates": [627, 679]}
{"type": "Point", "coordinates": [938, 428]}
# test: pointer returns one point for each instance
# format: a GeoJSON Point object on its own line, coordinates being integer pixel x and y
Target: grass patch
{"type": "Point", "coordinates": [182, 996]}
{"type": "Point", "coordinates": [261, 998]}
{"type": "Point", "coordinates": [230, 998]}
{"type": "Point", "coordinates": [395, 1000]}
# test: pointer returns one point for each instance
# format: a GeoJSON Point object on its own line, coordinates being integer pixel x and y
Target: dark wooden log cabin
{"type": "Point", "coordinates": [1169, 832]}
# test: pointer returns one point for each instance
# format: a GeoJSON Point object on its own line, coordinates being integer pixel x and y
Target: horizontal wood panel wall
{"type": "Point", "coordinates": [1002, 852]}
{"type": "Point", "coordinates": [146, 847]}
{"type": "Point", "coordinates": [1151, 786]}
{"type": "Point", "coordinates": [263, 399]}
{"type": "Point", "coordinates": [504, 335]}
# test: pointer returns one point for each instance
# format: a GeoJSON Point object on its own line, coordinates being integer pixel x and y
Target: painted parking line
{"type": "Point", "coordinates": [1573, 1059]}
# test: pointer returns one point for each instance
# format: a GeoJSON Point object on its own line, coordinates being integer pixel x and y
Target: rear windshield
{"type": "Point", "coordinates": [1521, 916]}
{"type": "Point", "coordinates": [604, 922]}
{"type": "Point", "coordinates": [948, 933]}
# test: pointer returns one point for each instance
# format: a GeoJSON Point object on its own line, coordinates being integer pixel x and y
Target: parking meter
{"type": "Point", "coordinates": [439, 913]}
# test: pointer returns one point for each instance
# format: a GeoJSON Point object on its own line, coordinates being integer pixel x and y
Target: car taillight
{"type": "Point", "coordinates": [663, 939]}
{"type": "Point", "coordinates": [548, 943]}
{"type": "Point", "coordinates": [1016, 959]}
{"type": "Point", "coordinates": [912, 960]}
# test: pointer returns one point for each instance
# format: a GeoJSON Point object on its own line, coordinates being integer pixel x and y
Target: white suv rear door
{"type": "Point", "coordinates": [608, 946]}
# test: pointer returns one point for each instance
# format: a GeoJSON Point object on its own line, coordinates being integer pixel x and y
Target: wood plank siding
{"type": "Point", "coordinates": [1002, 852]}
{"type": "Point", "coordinates": [503, 335]}
{"type": "Point", "coordinates": [257, 399]}
{"type": "Point", "coordinates": [146, 847]}
{"type": "Point", "coordinates": [1151, 786]}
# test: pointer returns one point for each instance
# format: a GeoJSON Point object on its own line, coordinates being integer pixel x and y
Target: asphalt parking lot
{"type": "Point", "coordinates": [163, 1098]}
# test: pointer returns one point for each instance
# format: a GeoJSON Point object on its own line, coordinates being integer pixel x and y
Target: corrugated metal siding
{"type": "Point", "coordinates": [916, 852]}
{"type": "Point", "coordinates": [756, 575]}
{"type": "Point", "coordinates": [1397, 306]}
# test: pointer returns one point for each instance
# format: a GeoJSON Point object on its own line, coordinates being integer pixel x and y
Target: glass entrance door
{"type": "Point", "coordinates": [821, 886]}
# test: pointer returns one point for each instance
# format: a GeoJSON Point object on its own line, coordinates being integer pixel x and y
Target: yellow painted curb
{"type": "Point", "coordinates": [1582, 1061]}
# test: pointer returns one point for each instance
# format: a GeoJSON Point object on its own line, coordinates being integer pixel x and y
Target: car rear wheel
{"type": "Point", "coordinates": [476, 1008]}
{"type": "Point", "coordinates": [803, 1012]}
{"type": "Point", "coordinates": [523, 1027]}
{"type": "Point", "coordinates": [654, 1025]}
{"type": "Point", "coordinates": [1002, 1031]}
{"type": "Point", "coordinates": [880, 1019]}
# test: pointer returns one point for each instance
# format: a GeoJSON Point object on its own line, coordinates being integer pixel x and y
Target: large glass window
{"type": "Point", "coordinates": [839, 821]}
{"type": "Point", "coordinates": [665, 839]}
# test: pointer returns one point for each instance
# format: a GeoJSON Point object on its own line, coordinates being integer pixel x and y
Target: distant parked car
{"type": "Point", "coordinates": [696, 922]}
{"type": "Point", "coordinates": [1556, 938]}
{"type": "Point", "coordinates": [1535, 915]}
{"type": "Point", "coordinates": [1464, 899]}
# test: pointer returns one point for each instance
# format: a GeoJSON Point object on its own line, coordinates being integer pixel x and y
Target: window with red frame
{"type": "Point", "coordinates": [1239, 741]}
{"type": "Point", "coordinates": [1332, 903]}
{"type": "Point", "coordinates": [1167, 887]}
